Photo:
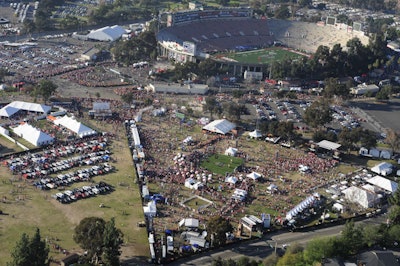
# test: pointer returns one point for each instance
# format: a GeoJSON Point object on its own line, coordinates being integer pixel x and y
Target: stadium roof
{"type": "Point", "coordinates": [107, 33]}
{"type": "Point", "coordinates": [221, 126]}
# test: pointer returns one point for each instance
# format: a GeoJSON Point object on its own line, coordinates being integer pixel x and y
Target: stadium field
{"type": "Point", "coordinates": [264, 56]}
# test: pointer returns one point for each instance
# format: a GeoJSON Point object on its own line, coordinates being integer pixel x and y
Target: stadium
{"type": "Point", "coordinates": [239, 42]}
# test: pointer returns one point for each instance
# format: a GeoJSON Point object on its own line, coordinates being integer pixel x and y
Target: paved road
{"type": "Point", "coordinates": [260, 249]}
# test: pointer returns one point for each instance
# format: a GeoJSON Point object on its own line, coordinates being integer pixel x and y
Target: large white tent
{"type": "Point", "coordinates": [107, 34]}
{"type": "Point", "coordinates": [15, 106]}
{"type": "Point", "coordinates": [33, 135]}
{"type": "Point", "coordinates": [383, 168]}
{"type": "Point", "coordinates": [383, 183]}
{"type": "Point", "coordinates": [220, 126]}
{"type": "Point", "coordinates": [77, 127]}
{"type": "Point", "coordinates": [362, 197]}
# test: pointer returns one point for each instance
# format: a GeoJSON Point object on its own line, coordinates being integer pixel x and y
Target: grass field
{"type": "Point", "coordinates": [221, 164]}
{"type": "Point", "coordinates": [264, 56]}
{"type": "Point", "coordinates": [26, 208]}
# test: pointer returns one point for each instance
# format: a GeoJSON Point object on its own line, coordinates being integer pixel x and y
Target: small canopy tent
{"type": "Point", "coordinates": [33, 135]}
{"type": "Point", "coordinates": [231, 179]}
{"type": "Point", "coordinates": [256, 134]}
{"type": "Point", "coordinates": [189, 222]}
{"type": "Point", "coordinates": [231, 151]}
{"type": "Point", "coordinates": [221, 126]}
{"type": "Point", "coordinates": [151, 209]}
{"type": "Point", "coordinates": [254, 175]}
{"type": "Point", "coordinates": [383, 183]}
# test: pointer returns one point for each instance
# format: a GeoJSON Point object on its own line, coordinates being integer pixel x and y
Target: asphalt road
{"type": "Point", "coordinates": [260, 249]}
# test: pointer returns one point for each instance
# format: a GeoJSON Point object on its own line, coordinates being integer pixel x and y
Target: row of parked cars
{"type": "Point", "coordinates": [83, 192]}
{"type": "Point", "coordinates": [67, 179]}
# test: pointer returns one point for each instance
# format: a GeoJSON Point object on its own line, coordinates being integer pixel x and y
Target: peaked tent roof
{"type": "Point", "coordinates": [220, 126]}
{"type": "Point", "coordinates": [328, 145]}
{"type": "Point", "coordinates": [107, 33]}
{"type": "Point", "coordinates": [8, 111]}
{"type": "Point", "coordinates": [254, 175]}
{"type": "Point", "coordinates": [13, 107]}
{"type": "Point", "coordinates": [77, 127]}
{"type": "Point", "coordinates": [360, 196]}
{"type": "Point", "coordinates": [33, 135]}
{"type": "Point", "coordinates": [255, 134]}
{"type": "Point", "coordinates": [383, 183]}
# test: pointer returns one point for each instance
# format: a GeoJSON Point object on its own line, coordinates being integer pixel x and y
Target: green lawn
{"type": "Point", "coordinates": [221, 164]}
{"type": "Point", "coordinates": [263, 56]}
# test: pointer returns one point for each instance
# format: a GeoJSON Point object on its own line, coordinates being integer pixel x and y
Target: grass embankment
{"type": "Point", "coordinates": [26, 208]}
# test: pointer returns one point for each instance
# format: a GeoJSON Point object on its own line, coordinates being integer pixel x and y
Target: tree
{"type": "Point", "coordinates": [30, 251]}
{"type": "Point", "coordinates": [212, 105]}
{"type": "Point", "coordinates": [367, 138]}
{"type": "Point", "coordinates": [318, 114]}
{"type": "Point", "coordinates": [351, 238]}
{"type": "Point", "coordinates": [271, 260]}
{"type": "Point", "coordinates": [371, 235]}
{"type": "Point", "coordinates": [206, 68]}
{"type": "Point", "coordinates": [393, 139]}
{"type": "Point", "coordinates": [394, 214]}
{"type": "Point", "coordinates": [217, 227]}
{"type": "Point", "coordinates": [45, 88]}
{"type": "Point", "coordinates": [384, 93]}
{"type": "Point", "coordinates": [282, 12]}
{"type": "Point", "coordinates": [316, 250]}
{"type": "Point", "coordinates": [127, 97]}
{"type": "Point", "coordinates": [89, 235]}
{"type": "Point", "coordinates": [394, 199]}
{"type": "Point", "coordinates": [112, 242]}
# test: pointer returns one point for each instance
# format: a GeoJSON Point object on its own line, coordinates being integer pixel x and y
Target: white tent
{"type": "Point", "coordinates": [362, 197]}
{"type": "Point", "coordinates": [8, 111]}
{"type": "Point", "coordinates": [272, 187]}
{"type": "Point", "coordinates": [189, 222]}
{"type": "Point", "coordinates": [231, 151]}
{"type": "Point", "coordinates": [363, 151]}
{"type": "Point", "coordinates": [328, 145]}
{"type": "Point", "coordinates": [15, 106]}
{"type": "Point", "coordinates": [107, 33]}
{"type": "Point", "coordinates": [255, 134]}
{"type": "Point", "coordinates": [383, 183]}
{"type": "Point", "coordinates": [77, 127]}
{"type": "Point", "coordinates": [385, 154]}
{"type": "Point", "coordinates": [150, 209]}
{"type": "Point", "coordinates": [374, 152]}
{"type": "Point", "coordinates": [33, 135]}
{"type": "Point", "coordinates": [231, 179]}
{"type": "Point", "coordinates": [383, 168]}
{"type": "Point", "coordinates": [221, 126]}
{"type": "Point", "coordinates": [254, 175]}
